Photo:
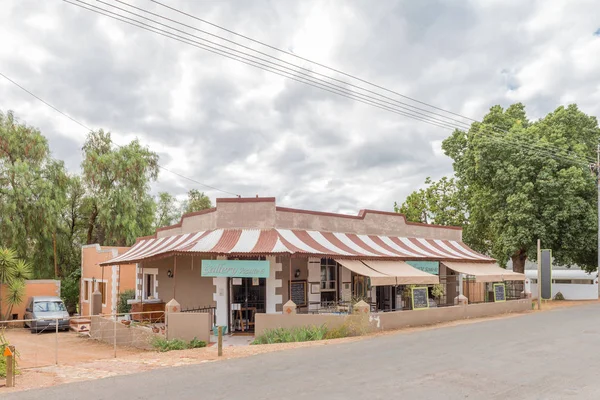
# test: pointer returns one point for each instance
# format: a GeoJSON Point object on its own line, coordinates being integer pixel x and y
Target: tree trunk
{"type": "Point", "coordinates": [518, 260]}
{"type": "Point", "coordinates": [91, 224]}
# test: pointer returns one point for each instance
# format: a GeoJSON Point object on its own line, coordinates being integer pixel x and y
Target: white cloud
{"type": "Point", "coordinates": [248, 131]}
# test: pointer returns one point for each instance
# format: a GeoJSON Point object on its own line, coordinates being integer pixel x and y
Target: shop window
{"type": "Point", "coordinates": [328, 275]}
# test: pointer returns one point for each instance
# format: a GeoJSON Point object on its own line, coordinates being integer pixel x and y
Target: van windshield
{"type": "Point", "coordinates": [45, 306]}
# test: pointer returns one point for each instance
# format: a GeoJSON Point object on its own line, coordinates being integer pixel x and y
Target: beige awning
{"type": "Point", "coordinates": [405, 274]}
{"type": "Point", "coordinates": [377, 278]}
{"type": "Point", "coordinates": [484, 272]}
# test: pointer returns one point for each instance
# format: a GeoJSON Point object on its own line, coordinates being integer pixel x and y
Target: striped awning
{"type": "Point", "coordinates": [250, 242]}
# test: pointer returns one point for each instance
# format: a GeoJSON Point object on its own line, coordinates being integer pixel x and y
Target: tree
{"type": "Point", "coordinates": [527, 180]}
{"type": "Point", "coordinates": [13, 273]}
{"type": "Point", "coordinates": [119, 206]}
{"type": "Point", "coordinates": [167, 210]}
{"type": "Point", "coordinates": [32, 193]}
{"type": "Point", "coordinates": [441, 203]}
{"type": "Point", "coordinates": [196, 201]}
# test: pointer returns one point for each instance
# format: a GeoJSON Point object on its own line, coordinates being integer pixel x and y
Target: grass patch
{"type": "Point", "coordinates": [353, 326]}
{"type": "Point", "coordinates": [163, 345]}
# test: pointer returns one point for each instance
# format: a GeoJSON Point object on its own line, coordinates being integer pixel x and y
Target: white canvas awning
{"type": "Point", "coordinates": [405, 274]}
{"type": "Point", "coordinates": [484, 272]}
{"type": "Point", "coordinates": [377, 278]}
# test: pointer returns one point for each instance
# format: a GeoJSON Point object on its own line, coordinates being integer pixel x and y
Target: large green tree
{"type": "Point", "coordinates": [523, 180]}
{"type": "Point", "coordinates": [119, 206]}
{"type": "Point", "coordinates": [32, 193]}
{"type": "Point", "coordinates": [167, 210]}
{"type": "Point", "coordinates": [196, 201]}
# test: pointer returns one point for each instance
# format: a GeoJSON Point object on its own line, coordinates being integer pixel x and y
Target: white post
{"type": "Point", "coordinates": [115, 336]}
{"type": "Point", "coordinates": [539, 274]}
{"type": "Point", "coordinates": [56, 344]}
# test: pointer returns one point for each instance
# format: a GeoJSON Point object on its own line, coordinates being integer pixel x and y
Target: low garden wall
{"type": "Point", "coordinates": [107, 329]}
{"type": "Point", "coordinates": [187, 326]}
{"type": "Point", "coordinates": [395, 319]}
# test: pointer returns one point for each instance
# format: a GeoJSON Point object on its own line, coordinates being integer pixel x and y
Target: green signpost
{"type": "Point", "coordinates": [235, 268]}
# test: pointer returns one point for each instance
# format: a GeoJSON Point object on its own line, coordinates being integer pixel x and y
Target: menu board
{"type": "Point", "coordinates": [298, 289]}
{"type": "Point", "coordinates": [499, 292]}
{"type": "Point", "coordinates": [420, 298]}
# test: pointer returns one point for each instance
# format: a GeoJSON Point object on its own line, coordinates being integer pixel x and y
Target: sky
{"type": "Point", "coordinates": [249, 132]}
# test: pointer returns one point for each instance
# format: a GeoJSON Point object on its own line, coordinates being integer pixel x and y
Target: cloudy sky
{"type": "Point", "coordinates": [249, 132]}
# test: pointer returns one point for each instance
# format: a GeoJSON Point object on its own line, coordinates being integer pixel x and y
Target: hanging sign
{"type": "Point", "coordinates": [431, 267]}
{"type": "Point", "coordinates": [235, 268]}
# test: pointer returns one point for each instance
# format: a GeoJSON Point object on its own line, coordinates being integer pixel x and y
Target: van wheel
{"type": "Point", "coordinates": [33, 331]}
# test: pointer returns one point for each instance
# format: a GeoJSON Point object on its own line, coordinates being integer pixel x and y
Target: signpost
{"type": "Point", "coordinates": [420, 298]}
{"type": "Point", "coordinates": [235, 268]}
{"type": "Point", "coordinates": [546, 275]}
{"type": "Point", "coordinates": [9, 353]}
{"type": "Point", "coordinates": [499, 292]}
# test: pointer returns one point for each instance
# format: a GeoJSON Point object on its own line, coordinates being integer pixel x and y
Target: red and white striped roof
{"type": "Point", "coordinates": [286, 241]}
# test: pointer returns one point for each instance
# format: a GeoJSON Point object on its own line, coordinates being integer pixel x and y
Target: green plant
{"type": "Point", "coordinates": [162, 344]}
{"type": "Point", "coordinates": [195, 343]}
{"type": "Point", "coordinates": [3, 344]}
{"type": "Point", "coordinates": [122, 306]}
{"type": "Point", "coordinates": [69, 290]}
{"type": "Point", "coordinates": [559, 296]}
{"type": "Point", "coordinates": [296, 334]}
{"type": "Point", "coordinates": [13, 273]}
{"type": "Point", "coordinates": [437, 291]}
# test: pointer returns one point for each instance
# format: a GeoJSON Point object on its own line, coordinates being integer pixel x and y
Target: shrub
{"type": "Point", "coordinates": [161, 344]}
{"type": "Point", "coordinates": [559, 296]}
{"type": "Point", "coordinates": [297, 334]}
{"type": "Point", "coordinates": [195, 343]}
{"type": "Point", "coordinates": [3, 344]}
{"type": "Point", "coordinates": [122, 306]}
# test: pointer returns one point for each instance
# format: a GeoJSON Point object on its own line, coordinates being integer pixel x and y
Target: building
{"type": "Point", "coordinates": [248, 256]}
{"type": "Point", "coordinates": [109, 281]}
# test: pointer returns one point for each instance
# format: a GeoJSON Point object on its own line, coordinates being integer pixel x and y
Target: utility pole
{"type": "Point", "coordinates": [598, 187]}
{"type": "Point", "coordinates": [539, 274]}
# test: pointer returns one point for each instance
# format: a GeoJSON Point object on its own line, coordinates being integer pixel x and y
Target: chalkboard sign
{"type": "Point", "coordinates": [499, 292]}
{"type": "Point", "coordinates": [299, 292]}
{"type": "Point", "coordinates": [420, 298]}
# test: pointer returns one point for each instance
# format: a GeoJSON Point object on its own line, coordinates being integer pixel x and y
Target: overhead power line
{"type": "Point", "coordinates": [116, 144]}
{"type": "Point", "coordinates": [299, 76]}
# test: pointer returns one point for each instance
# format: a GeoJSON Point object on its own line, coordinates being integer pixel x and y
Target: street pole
{"type": "Point", "coordinates": [539, 274]}
{"type": "Point", "coordinates": [598, 187]}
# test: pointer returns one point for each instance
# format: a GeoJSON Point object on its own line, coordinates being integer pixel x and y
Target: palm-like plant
{"type": "Point", "coordinates": [13, 273]}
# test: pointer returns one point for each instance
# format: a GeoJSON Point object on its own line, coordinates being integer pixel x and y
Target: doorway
{"type": "Point", "coordinates": [248, 297]}
{"type": "Point", "coordinates": [386, 298]}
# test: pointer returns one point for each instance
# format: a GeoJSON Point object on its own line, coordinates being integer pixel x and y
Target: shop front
{"type": "Point", "coordinates": [248, 256]}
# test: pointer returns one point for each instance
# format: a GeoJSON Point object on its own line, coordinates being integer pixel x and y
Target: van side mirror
{"type": "Point", "coordinates": [28, 309]}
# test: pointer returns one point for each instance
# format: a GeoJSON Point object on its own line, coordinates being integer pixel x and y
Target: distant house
{"type": "Point", "coordinates": [110, 281]}
{"type": "Point", "coordinates": [573, 283]}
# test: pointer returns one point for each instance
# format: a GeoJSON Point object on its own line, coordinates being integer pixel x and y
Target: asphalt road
{"type": "Point", "coordinates": [551, 355]}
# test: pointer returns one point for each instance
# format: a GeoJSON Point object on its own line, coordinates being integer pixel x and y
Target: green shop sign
{"type": "Point", "coordinates": [431, 267]}
{"type": "Point", "coordinates": [235, 268]}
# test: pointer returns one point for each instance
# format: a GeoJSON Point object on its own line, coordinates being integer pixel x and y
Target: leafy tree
{"type": "Point", "coordinates": [196, 201]}
{"type": "Point", "coordinates": [533, 183]}
{"type": "Point", "coordinates": [167, 210]}
{"type": "Point", "coordinates": [119, 206]}
{"type": "Point", "coordinates": [32, 193]}
{"type": "Point", "coordinates": [441, 203]}
{"type": "Point", "coordinates": [13, 273]}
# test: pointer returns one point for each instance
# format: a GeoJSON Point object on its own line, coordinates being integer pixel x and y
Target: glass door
{"type": "Point", "coordinates": [248, 297]}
